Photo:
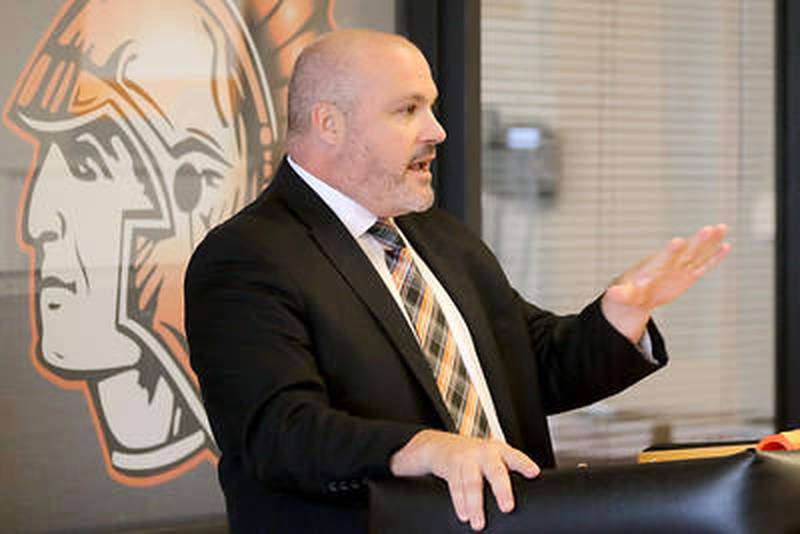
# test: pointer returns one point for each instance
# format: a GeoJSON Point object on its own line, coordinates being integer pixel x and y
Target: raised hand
{"type": "Point", "coordinates": [661, 278]}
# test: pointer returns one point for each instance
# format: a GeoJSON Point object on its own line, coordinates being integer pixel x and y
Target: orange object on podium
{"type": "Point", "coordinates": [782, 441]}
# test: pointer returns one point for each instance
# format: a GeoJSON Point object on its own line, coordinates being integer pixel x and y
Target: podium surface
{"type": "Point", "coordinates": [745, 493]}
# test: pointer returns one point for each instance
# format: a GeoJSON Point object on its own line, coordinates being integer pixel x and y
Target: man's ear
{"type": "Point", "coordinates": [328, 122]}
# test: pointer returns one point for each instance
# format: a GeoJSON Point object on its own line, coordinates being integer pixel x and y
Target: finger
{"type": "Point", "coordinates": [710, 248]}
{"type": "Point", "coordinates": [497, 475]}
{"type": "Point", "coordinates": [457, 496]}
{"type": "Point", "coordinates": [707, 256]}
{"type": "Point", "coordinates": [520, 462]}
{"type": "Point", "coordinates": [672, 252]}
{"type": "Point", "coordinates": [703, 245]}
{"type": "Point", "coordinates": [663, 259]}
{"type": "Point", "coordinates": [713, 261]}
{"type": "Point", "coordinates": [472, 482]}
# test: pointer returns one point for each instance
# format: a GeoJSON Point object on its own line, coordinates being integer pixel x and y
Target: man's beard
{"type": "Point", "coordinates": [393, 191]}
{"type": "Point", "coordinates": [419, 198]}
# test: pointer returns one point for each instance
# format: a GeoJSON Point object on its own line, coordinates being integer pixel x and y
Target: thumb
{"type": "Point", "coordinates": [518, 461]}
{"type": "Point", "coordinates": [623, 292]}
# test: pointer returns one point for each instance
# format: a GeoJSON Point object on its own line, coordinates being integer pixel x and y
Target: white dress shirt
{"type": "Point", "coordinates": [358, 219]}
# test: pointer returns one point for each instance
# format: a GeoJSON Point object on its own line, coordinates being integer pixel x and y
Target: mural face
{"type": "Point", "coordinates": [151, 122]}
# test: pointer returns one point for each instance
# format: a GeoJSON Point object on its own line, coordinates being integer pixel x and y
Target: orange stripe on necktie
{"type": "Point", "coordinates": [433, 333]}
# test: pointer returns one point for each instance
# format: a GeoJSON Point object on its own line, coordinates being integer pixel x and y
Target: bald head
{"type": "Point", "coordinates": [361, 119]}
{"type": "Point", "coordinates": [332, 69]}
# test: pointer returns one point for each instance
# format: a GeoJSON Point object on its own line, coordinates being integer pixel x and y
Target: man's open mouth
{"type": "Point", "coordinates": [420, 166]}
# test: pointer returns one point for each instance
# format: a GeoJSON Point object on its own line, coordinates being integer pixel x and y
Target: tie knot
{"type": "Point", "coordinates": [387, 235]}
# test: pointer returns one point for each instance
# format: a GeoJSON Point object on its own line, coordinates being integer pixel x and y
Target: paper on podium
{"type": "Point", "coordinates": [782, 441]}
{"type": "Point", "coordinates": [692, 451]}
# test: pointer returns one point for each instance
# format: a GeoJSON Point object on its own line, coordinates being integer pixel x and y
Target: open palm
{"type": "Point", "coordinates": [661, 278]}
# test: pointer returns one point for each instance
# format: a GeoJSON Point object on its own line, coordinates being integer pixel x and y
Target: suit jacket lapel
{"type": "Point", "coordinates": [463, 292]}
{"type": "Point", "coordinates": [349, 259]}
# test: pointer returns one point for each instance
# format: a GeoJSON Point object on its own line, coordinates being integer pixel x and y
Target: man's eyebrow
{"type": "Point", "coordinates": [418, 97]}
{"type": "Point", "coordinates": [199, 141]}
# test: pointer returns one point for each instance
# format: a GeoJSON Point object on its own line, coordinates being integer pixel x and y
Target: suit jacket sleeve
{"type": "Point", "coordinates": [574, 359]}
{"type": "Point", "coordinates": [267, 402]}
{"type": "Point", "coordinates": [582, 358]}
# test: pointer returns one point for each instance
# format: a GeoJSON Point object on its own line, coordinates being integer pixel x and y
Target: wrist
{"type": "Point", "coordinates": [413, 458]}
{"type": "Point", "coordinates": [629, 320]}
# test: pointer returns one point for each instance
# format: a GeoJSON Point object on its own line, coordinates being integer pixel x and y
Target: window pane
{"type": "Point", "coordinates": [610, 127]}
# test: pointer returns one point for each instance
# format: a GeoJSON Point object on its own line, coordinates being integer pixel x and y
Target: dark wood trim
{"type": "Point", "coordinates": [787, 191]}
{"type": "Point", "coordinates": [448, 33]}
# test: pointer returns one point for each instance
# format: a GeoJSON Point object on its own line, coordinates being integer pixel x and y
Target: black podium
{"type": "Point", "coordinates": [747, 493]}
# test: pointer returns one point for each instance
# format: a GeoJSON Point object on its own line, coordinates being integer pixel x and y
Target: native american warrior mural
{"type": "Point", "coordinates": [150, 122]}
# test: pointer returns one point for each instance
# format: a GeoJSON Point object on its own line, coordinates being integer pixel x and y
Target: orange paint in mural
{"type": "Point", "coordinates": [144, 136]}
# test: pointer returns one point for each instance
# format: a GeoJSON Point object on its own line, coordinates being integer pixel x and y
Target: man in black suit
{"type": "Point", "coordinates": [304, 314]}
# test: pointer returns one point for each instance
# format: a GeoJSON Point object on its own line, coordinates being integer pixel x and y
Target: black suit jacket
{"type": "Point", "coordinates": [312, 378]}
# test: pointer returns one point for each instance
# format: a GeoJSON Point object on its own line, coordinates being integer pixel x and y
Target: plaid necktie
{"type": "Point", "coordinates": [433, 334]}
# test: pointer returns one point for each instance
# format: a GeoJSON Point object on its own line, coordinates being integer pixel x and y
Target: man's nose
{"type": "Point", "coordinates": [434, 131]}
{"type": "Point", "coordinates": [43, 219]}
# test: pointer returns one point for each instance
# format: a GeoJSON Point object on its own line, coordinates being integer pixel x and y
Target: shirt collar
{"type": "Point", "coordinates": [355, 217]}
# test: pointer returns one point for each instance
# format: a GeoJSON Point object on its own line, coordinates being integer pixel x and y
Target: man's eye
{"type": "Point", "coordinates": [190, 184]}
{"type": "Point", "coordinates": [85, 161]}
{"type": "Point", "coordinates": [410, 109]}
{"type": "Point", "coordinates": [211, 178]}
